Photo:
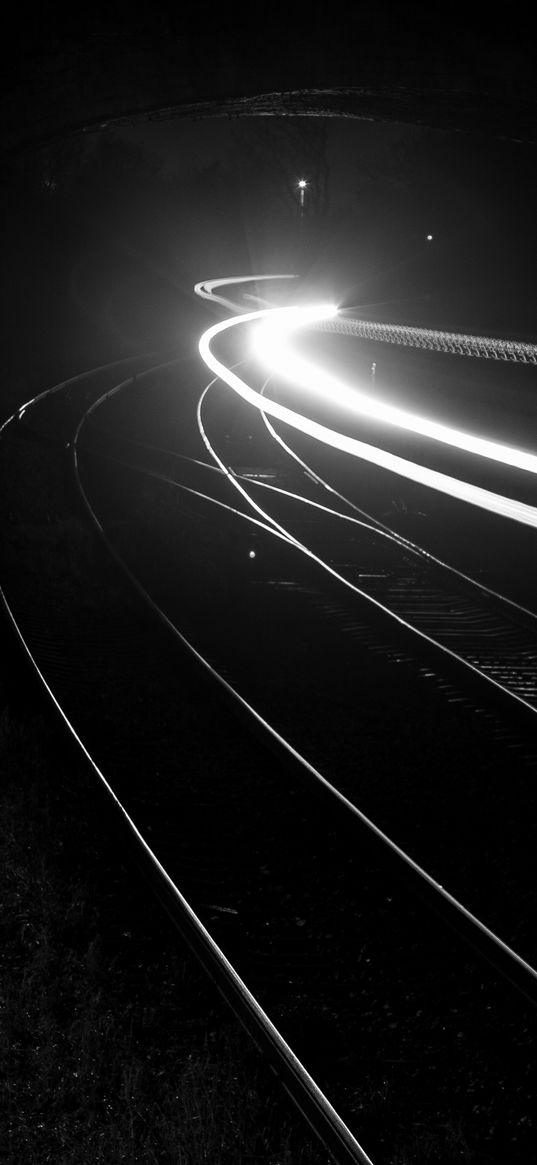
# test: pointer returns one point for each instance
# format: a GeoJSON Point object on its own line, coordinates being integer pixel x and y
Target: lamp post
{"type": "Point", "coordinates": [301, 187]}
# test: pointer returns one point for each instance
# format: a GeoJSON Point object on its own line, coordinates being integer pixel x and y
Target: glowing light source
{"type": "Point", "coordinates": [302, 184]}
{"type": "Point", "coordinates": [251, 554]}
{"type": "Point", "coordinates": [272, 346]}
{"type": "Point", "coordinates": [288, 318]}
{"type": "Point", "coordinates": [429, 238]}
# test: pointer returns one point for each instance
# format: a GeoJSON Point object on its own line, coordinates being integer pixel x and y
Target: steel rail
{"type": "Point", "coordinates": [314, 1105]}
{"type": "Point", "coordinates": [450, 657]}
{"type": "Point", "coordinates": [311, 1102]}
{"type": "Point", "coordinates": [498, 953]}
{"type": "Point", "coordinates": [383, 529]}
{"type": "Point", "coordinates": [499, 690]}
{"type": "Point", "coordinates": [447, 622]}
{"type": "Point", "coordinates": [301, 1087]}
{"type": "Point", "coordinates": [62, 384]}
{"type": "Point", "coordinates": [370, 522]}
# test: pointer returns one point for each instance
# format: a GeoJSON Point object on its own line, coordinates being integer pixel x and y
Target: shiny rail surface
{"type": "Point", "coordinates": [479, 627]}
{"type": "Point", "coordinates": [417, 607]}
{"type": "Point", "coordinates": [437, 618]}
{"type": "Point", "coordinates": [297, 1081]}
{"type": "Point", "coordinates": [302, 1088]}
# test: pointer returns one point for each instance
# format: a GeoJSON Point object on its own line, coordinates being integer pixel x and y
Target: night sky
{"type": "Point", "coordinates": [386, 187]}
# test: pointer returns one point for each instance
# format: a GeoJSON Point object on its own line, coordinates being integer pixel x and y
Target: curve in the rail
{"type": "Point", "coordinates": [318, 1110]}
{"type": "Point", "coordinates": [267, 729]}
{"type": "Point", "coordinates": [426, 638]}
{"type": "Point", "coordinates": [366, 521]}
{"type": "Point", "coordinates": [381, 528]}
{"type": "Point", "coordinates": [455, 487]}
{"type": "Point", "coordinates": [304, 1090]}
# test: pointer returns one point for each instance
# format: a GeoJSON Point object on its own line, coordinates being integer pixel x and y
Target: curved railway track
{"type": "Point", "coordinates": [462, 611]}
{"type": "Point", "coordinates": [475, 626]}
{"type": "Point", "coordinates": [341, 905]}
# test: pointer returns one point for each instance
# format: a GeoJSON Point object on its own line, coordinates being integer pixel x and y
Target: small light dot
{"type": "Point", "coordinates": [429, 238]}
{"type": "Point", "coordinates": [251, 554]}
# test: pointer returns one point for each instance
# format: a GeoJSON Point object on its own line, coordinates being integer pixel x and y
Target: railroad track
{"type": "Point", "coordinates": [73, 647]}
{"type": "Point", "coordinates": [493, 636]}
{"type": "Point", "coordinates": [472, 636]}
{"type": "Point", "coordinates": [321, 906]}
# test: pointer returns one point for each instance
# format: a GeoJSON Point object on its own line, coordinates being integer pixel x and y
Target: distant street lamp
{"type": "Point", "coordinates": [302, 189]}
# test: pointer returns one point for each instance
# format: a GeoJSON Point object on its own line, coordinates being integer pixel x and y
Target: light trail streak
{"type": "Point", "coordinates": [380, 527]}
{"type": "Point", "coordinates": [295, 317]}
{"type": "Point", "coordinates": [205, 289]}
{"type": "Point", "coordinates": [272, 347]}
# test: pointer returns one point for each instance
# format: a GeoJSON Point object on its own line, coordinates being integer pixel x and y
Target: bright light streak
{"type": "Point", "coordinates": [301, 316]}
{"type": "Point", "coordinates": [206, 288]}
{"type": "Point", "coordinates": [272, 346]}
